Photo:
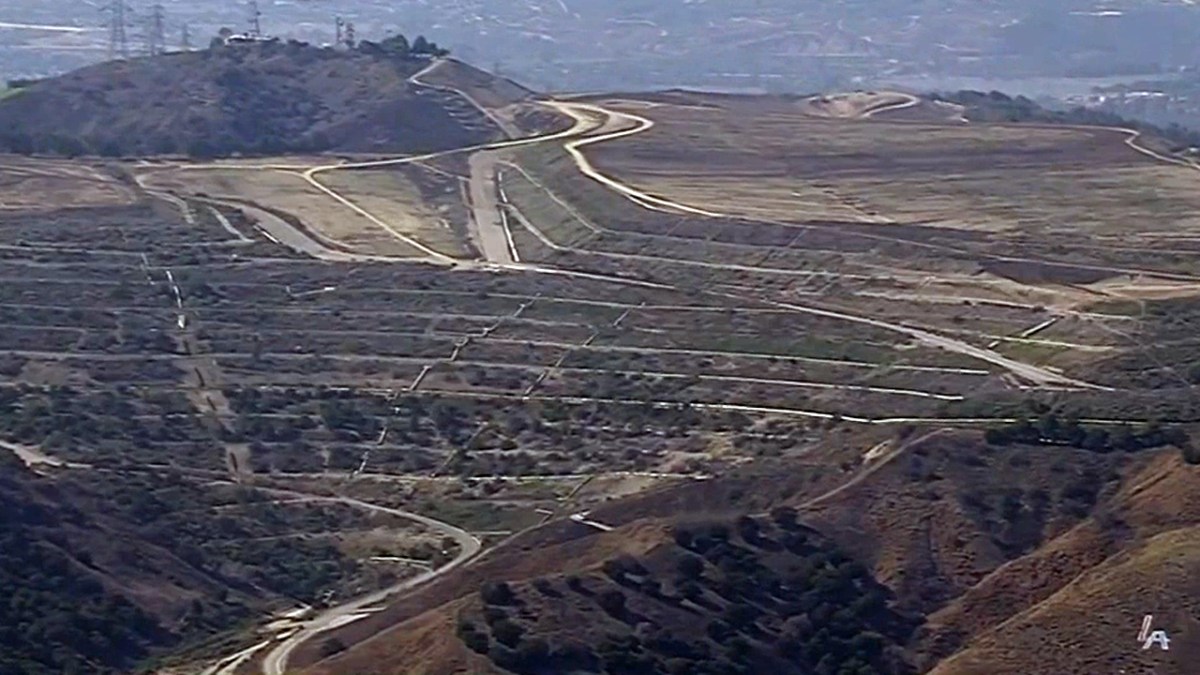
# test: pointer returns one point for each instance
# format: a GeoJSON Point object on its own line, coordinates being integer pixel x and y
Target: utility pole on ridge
{"type": "Point", "coordinates": [118, 12]}
{"type": "Point", "coordinates": [255, 19]}
{"type": "Point", "coordinates": [156, 38]}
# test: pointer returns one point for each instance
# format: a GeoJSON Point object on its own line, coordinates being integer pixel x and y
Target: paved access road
{"type": "Point", "coordinates": [275, 662]}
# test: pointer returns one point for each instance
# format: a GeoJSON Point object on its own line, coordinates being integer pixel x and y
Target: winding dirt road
{"type": "Point", "coordinates": [276, 660]}
{"type": "Point", "coordinates": [1031, 373]}
{"type": "Point", "coordinates": [593, 124]}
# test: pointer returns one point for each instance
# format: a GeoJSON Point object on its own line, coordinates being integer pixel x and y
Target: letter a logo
{"type": "Point", "coordinates": [1150, 638]}
{"type": "Point", "coordinates": [1158, 637]}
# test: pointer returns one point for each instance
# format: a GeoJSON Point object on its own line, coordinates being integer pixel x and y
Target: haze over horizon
{"type": "Point", "coordinates": [639, 44]}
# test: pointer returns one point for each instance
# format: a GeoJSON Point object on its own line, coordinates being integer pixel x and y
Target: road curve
{"type": "Point", "coordinates": [417, 78]}
{"type": "Point", "coordinates": [909, 101]}
{"type": "Point", "coordinates": [581, 112]}
{"type": "Point", "coordinates": [1031, 373]}
{"type": "Point", "coordinates": [276, 660]}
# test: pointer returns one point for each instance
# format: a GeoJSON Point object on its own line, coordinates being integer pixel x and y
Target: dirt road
{"type": "Point", "coordinates": [584, 113]}
{"type": "Point", "coordinates": [32, 456]}
{"type": "Point", "coordinates": [509, 130]}
{"type": "Point", "coordinates": [488, 223]}
{"type": "Point", "coordinates": [276, 660]}
{"type": "Point", "coordinates": [1025, 371]}
{"type": "Point", "coordinates": [909, 101]}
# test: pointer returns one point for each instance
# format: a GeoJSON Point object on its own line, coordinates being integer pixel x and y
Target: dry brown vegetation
{"type": "Point", "coordinates": [1000, 549]}
{"type": "Point", "coordinates": [784, 351]}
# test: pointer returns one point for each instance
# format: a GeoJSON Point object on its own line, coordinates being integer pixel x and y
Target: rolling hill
{"type": "Point", "coordinates": [955, 565]}
{"type": "Point", "coordinates": [257, 98]}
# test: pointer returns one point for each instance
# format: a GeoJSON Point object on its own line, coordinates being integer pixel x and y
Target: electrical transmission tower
{"type": "Point", "coordinates": [255, 19]}
{"type": "Point", "coordinates": [156, 36]}
{"type": "Point", "coordinates": [118, 12]}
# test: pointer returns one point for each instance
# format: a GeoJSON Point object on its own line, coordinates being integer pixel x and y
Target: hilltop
{"type": "Point", "coordinates": [255, 98]}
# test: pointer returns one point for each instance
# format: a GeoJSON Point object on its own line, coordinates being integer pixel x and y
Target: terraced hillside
{"type": "Point", "coordinates": [386, 384]}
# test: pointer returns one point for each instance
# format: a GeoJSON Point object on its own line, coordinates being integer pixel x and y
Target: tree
{"type": "Point", "coordinates": [397, 46]}
{"type": "Point", "coordinates": [614, 570]}
{"type": "Point", "coordinates": [1191, 454]}
{"type": "Point", "coordinates": [747, 527]}
{"type": "Point", "coordinates": [19, 142]}
{"type": "Point", "coordinates": [690, 590]}
{"type": "Point", "coordinates": [784, 516]}
{"type": "Point", "coordinates": [612, 601]}
{"type": "Point", "coordinates": [690, 566]}
{"type": "Point", "coordinates": [330, 647]}
{"type": "Point", "coordinates": [507, 632]}
{"type": "Point", "coordinates": [652, 587]}
{"type": "Point", "coordinates": [997, 436]}
{"type": "Point", "coordinates": [741, 615]}
{"type": "Point", "coordinates": [1095, 439]}
{"type": "Point", "coordinates": [1048, 426]}
{"type": "Point", "coordinates": [683, 537]}
{"type": "Point", "coordinates": [496, 593]}
{"type": "Point", "coordinates": [1122, 438]}
{"type": "Point", "coordinates": [719, 630]}
{"type": "Point", "coordinates": [546, 587]}
{"type": "Point", "coordinates": [533, 652]}
{"type": "Point", "coordinates": [476, 641]}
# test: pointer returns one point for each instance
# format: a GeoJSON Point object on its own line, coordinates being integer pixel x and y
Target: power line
{"type": "Point", "coordinates": [255, 19]}
{"type": "Point", "coordinates": [118, 12]}
{"type": "Point", "coordinates": [156, 37]}
{"type": "Point", "coordinates": [344, 33]}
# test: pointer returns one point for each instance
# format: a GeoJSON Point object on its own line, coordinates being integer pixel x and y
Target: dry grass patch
{"type": "Point", "coordinates": [46, 185]}
{"type": "Point", "coordinates": [391, 196]}
{"type": "Point", "coordinates": [288, 192]}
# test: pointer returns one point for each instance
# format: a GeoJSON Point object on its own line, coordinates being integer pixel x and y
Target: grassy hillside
{"type": "Point", "coordinates": [749, 596]}
{"type": "Point", "coordinates": [84, 593]}
{"type": "Point", "coordinates": [248, 98]}
{"type": "Point", "coordinates": [951, 554]}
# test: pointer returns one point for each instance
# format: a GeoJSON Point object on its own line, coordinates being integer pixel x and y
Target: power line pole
{"type": "Point", "coordinates": [156, 38]}
{"type": "Point", "coordinates": [338, 23]}
{"type": "Point", "coordinates": [185, 38]}
{"type": "Point", "coordinates": [118, 12]}
{"type": "Point", "coordinates": [255, 19]}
